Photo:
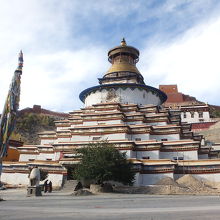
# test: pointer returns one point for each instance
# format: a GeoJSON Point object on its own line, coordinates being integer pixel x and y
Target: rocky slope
{"type": "Point", "coordinates": [31, 122]}
{"type": "Point", "coordinates": [213, 133]}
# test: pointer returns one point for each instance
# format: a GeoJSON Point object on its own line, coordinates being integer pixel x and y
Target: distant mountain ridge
{"type": "Point", "coordinates": [37, 109]}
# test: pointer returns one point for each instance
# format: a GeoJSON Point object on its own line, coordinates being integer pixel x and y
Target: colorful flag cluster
{"type": "Point", "coordinates": [8, 117]}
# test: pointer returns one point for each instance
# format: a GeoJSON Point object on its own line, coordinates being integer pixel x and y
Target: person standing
{"type": "Point", "coordinates": [50, 187]}
{"type": "Point", "coordinates": [45, 186]}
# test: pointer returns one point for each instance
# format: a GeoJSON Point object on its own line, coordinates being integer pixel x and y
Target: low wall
{"type": "Point", "coordinates": [22, 179]}
{"type": "Point", "coordinates": [15, 178]}
{"type": "Point", "coordinates": [151, 179]}
{"type": "Point", "coordinates": [17, 173]}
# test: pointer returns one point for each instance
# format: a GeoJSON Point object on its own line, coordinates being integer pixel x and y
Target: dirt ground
{"type": "Point", "coordinates": [186, 185]}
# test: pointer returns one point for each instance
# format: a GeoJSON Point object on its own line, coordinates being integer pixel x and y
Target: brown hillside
{"type": "Point", "coordinates": [213, 133]}
{"type": "Point", "coordinates": [32, 121]}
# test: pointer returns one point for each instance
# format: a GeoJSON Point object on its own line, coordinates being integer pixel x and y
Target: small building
{"type": "Point", "coordinates": [190, 110]}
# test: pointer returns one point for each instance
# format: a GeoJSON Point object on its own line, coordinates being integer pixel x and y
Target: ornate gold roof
{"type": "Point", "coordinates": [123, 67]}
{"type": "Point", "coordinates": [123, 59]}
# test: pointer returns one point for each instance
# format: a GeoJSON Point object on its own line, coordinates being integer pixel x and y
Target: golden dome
{"type": "Point", "coordinates": [123, 59]}
{"type": "Point", "coordinates": [122, 67]}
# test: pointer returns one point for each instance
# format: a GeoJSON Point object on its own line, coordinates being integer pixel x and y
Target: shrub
{"type": "Point", "coordinates": [102, 162]}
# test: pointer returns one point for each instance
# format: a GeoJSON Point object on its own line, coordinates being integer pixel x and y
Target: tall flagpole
{"type": "Point", "coordinates": [9, 114]}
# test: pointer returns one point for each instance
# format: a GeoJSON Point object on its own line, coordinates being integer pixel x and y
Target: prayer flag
{"type": "Point", "coordinates": [8, 117]}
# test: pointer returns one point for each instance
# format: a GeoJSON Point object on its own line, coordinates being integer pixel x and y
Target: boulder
{"type": "Point", "coordinates": [82, 192]}
{"type": "Point", "coordinates": [104, 188]}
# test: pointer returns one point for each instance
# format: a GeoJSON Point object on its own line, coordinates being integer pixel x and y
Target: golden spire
{"type": "Point", "coordinates": [123, 42]}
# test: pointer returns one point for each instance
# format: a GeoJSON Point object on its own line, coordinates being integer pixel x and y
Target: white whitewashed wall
{"type": "Point", "coordinates": [15, 178]}
{"type": "Point", "coordinates": [136, 96]}
{"type": "Point", "coordinates": [116, 136]}
{"type": "Point", "coordinates": [22, 179]}
{"type": "Point", "coordinates": [151, 179]}
{"type": "Point", "coordinates": [27, 157]}
{"type": "Point", "coordinates": [151, 154]}
{"type": "Point", "coordinates": [169, 137]}
{"type": "Point", "coordinates": [187, 155]}
{"type": "Point", "coordinates": [195, 119]}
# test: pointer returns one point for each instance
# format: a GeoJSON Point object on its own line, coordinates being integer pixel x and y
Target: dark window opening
{"type": "Point", "coordinates": [164, 139]}
{"type": "Point", "coordinates": [200, 114]}
{"type": "Point", "coordinates": [177, 158]}
{"type": "Point", "coordinates": [96, 138]}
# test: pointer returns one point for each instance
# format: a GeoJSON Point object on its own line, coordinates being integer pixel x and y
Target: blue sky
{"type": "Point", "coordinates": [65, 45]}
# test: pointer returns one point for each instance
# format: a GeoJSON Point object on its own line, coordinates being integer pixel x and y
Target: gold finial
{"type": "Point", "coordinates": [123, 42]}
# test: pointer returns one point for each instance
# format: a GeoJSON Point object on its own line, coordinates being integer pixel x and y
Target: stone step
{"type": "Point", "coordinates": [70, 184]}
